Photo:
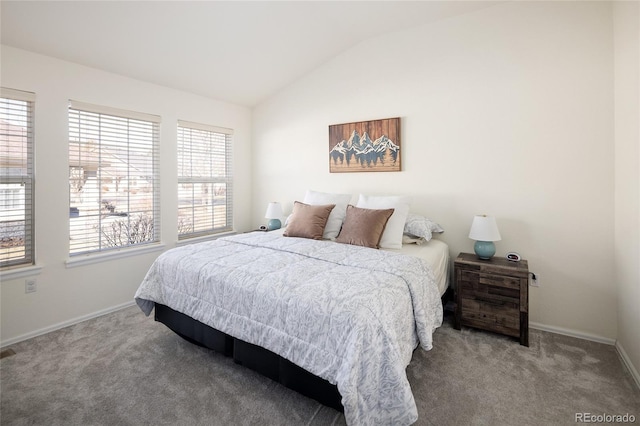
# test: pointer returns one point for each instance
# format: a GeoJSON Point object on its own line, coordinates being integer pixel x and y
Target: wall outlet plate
{"type": "Point", "coordinates": [30, 285]}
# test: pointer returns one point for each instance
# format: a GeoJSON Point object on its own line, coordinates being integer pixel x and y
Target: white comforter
{"type": "Point", "coordinates": [351, 315]}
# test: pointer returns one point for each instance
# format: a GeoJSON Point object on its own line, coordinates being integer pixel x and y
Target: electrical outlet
{"type": "Point", "coordinates": [30, 285]}
{"type": "Point", "coordinates": [534, 279]}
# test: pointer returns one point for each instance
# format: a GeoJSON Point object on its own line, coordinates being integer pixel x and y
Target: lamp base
{"type": "Point", "coordinates": [274, 224]}
{"type": "Point", "coordinates": [484, 249]}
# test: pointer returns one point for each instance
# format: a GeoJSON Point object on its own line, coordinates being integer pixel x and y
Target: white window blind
{"type": "Point", "coordinates": [205, 180]}
{"type": "Point", "coordinates": [16, 178]}
{"type": "Point", "coordinates": [113, 178]}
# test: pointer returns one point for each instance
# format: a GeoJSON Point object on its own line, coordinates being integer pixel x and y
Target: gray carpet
{"type": "Point", "coordinates": [126, 369]}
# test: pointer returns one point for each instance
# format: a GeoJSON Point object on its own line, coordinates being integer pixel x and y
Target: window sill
{"type": "Point", "coordinates": [20, 272]}
{"type": "Point", "coordinates": [89, 259]}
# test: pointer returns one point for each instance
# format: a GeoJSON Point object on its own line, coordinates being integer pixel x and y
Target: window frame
{"type": "Point", "coordinates": [27, 180]}
{"type": "Point", "coordinates": [108, 115]}
{"type": "Point", "coordinates": [226, 179]}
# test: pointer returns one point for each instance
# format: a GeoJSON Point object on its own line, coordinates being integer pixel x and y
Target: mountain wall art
{"type": "Point", "coordinates": [365, 146]}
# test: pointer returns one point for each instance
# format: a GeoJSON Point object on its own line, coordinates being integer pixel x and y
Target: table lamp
{"type": "Point", "coordinates": [485, 231]}
{"type": "Point", "coordinates": [274, 213]}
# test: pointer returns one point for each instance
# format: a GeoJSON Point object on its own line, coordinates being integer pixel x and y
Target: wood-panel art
{"type": "Point", "coordinates": [365, 146]}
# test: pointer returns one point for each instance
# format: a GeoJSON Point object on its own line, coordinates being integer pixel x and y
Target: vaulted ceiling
{"type": "Point", "coordinates": [237, 51]}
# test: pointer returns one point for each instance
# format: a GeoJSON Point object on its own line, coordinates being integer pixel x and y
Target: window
{"type": "Point", "coordinates": [113, 178]}
{"type": "Point", "coordinates": [205, 180]}
{"type": "Point", "coordinates": [16, 178]}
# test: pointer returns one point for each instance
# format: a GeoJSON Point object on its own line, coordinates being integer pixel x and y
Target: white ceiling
{"type": "Point", "coordinates": [239, 51]}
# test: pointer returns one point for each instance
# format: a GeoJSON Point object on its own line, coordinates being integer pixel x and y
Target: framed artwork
{"type": "Point", "coordinates": [365, 146]}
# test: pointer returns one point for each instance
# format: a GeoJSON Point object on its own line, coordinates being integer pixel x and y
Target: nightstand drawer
{"type": "Point", "coordinates": [474, 287]}
{"type": "Point", "coordinates": [494, 280]}
{"type": "Point", "coordinates": [501, 317]}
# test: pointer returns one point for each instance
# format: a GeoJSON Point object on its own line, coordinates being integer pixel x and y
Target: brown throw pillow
{"type": "Point", "coordinates": [364, 227]}
{"type": "Point", "coordinates": [308, 221]}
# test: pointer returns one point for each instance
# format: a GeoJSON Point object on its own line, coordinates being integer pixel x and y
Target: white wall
{"type": "Point", "coordinates": [627, 178]}
{"type": "Point", "coordinates": [65, 294]}
{"type": "Point", "coordinates": [506, 111]}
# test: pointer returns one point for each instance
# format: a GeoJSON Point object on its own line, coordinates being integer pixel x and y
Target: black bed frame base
{"type": "Point", "coordinates": [254, 357]}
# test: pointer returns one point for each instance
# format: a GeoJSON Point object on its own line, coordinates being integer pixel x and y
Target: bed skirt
{"type": "Point", "coordinates": [254, 357]}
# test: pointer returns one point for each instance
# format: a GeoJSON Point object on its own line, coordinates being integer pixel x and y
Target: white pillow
{"type": "Point", "coordinates": [339, 212]}
{"type": "Point", "coordinates": [392, 235]}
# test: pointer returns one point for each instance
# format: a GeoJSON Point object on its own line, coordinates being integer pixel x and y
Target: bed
{"type": "Point", "coordinates": [337, 322]}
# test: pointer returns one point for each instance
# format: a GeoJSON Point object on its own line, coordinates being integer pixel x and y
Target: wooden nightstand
{"type": "Point", "coordinates": [492, 295]}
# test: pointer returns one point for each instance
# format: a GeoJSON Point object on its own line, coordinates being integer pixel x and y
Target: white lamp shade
{"type": "Point", "coordinates": [274, 211]}
{"type": "Point", "coordinates": [484, 228]}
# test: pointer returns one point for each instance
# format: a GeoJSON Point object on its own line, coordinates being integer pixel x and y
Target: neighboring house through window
{"type": "Point", "coordinates": [205, 180]}
{"type": "Point", "coordinates": [16, 178]}
{"type": "Point", "coordinates": [113, 178]}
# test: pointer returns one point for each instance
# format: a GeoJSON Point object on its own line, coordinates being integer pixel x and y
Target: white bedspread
{"type": "Point", "coordinates": [351, 315]}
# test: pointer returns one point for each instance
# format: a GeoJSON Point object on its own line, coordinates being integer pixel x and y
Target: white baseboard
{"type": "Point", "coordinates": [572, 333]}
{"type": "Point", "coordinates": [64, 324]}
{"type": "Point", "coordinates": [627, 362]}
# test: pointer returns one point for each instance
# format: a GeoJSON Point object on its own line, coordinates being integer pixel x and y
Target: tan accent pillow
{"type": "Point", "coordinates": [364, 227]}
{"type": "Point", "coordinates": [308, 221]}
